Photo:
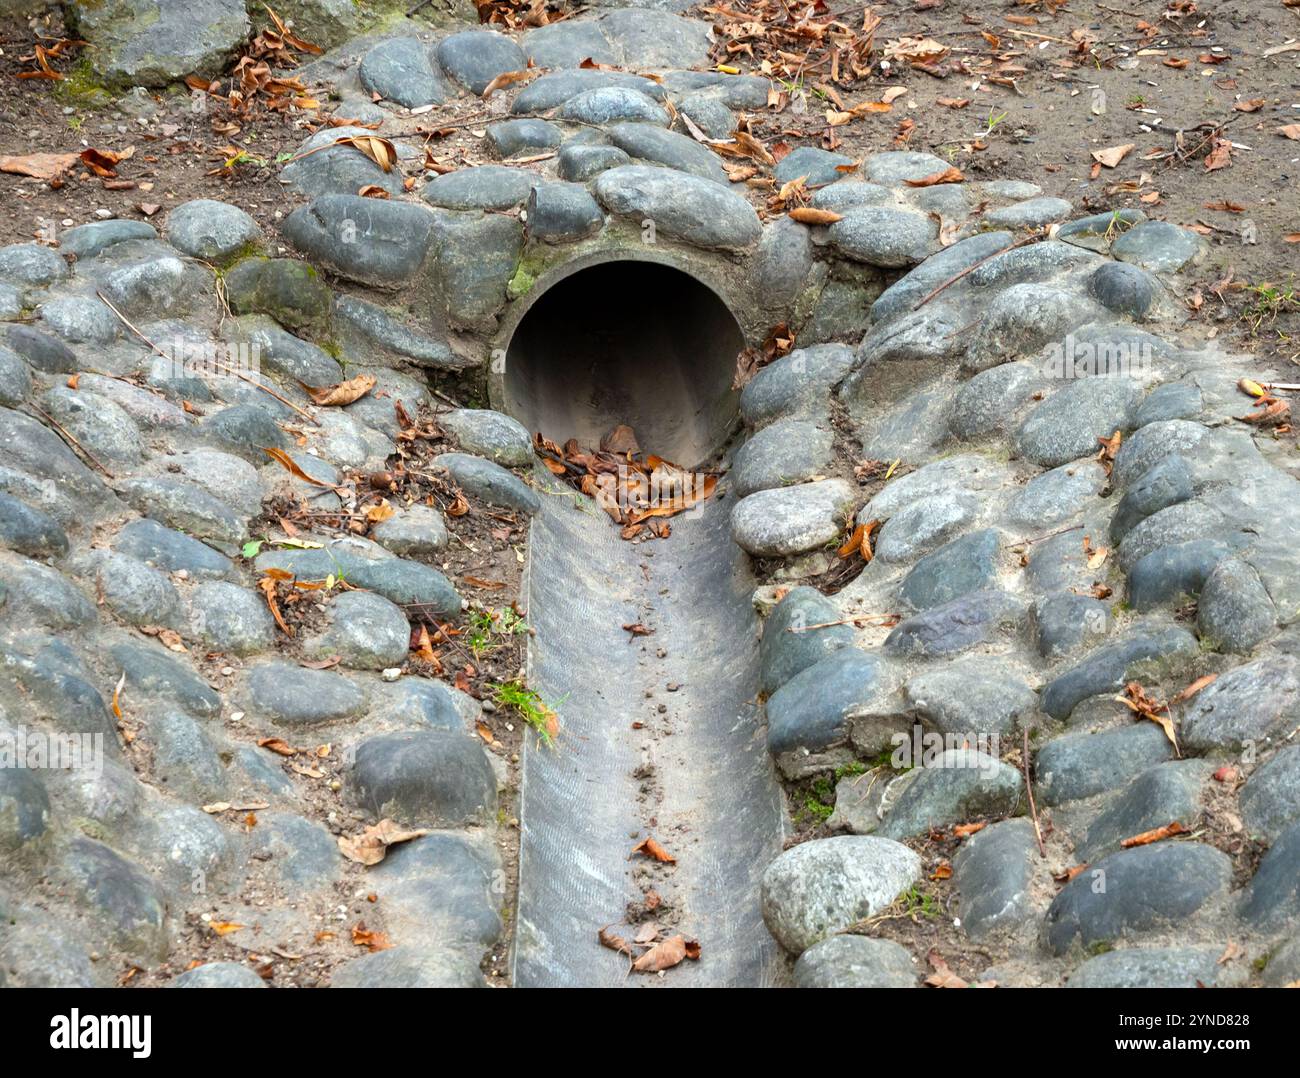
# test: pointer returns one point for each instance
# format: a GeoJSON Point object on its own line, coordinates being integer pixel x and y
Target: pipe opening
{"type": "Point", "coordinates": [628, 342]}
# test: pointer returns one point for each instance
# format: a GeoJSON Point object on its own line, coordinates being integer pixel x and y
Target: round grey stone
{"type": "Point", "coordinates": [86, 241]}
{"type": "Point", "coordinates": [791, 520]}
{"type": "Point", "coordinates": [400, 70]}
{"type": "Point", "coordinates": [708, 113]}
{"type": "Point", "coordinates": [1166, 483]}
{"type": "Point", "coordinates": [809, 712]}
{"type": "Point", "coordinates": [684, 207]}
{"type": "Point", "coordinates": [136, 593]}
{"type": "Point", "coordinates": [81, 320]}
{"type": "Point", "coordinates": [418, 531]}
{"type": "Point", "coordinates": [960, 785]}
{"type": "Point", "coordinates": [302, 853]}
{"type": "Point", "coordinates": [1036, 262]}
{"type": "Point", "coordinates": [218, 975]}
{"type": "Point", "coordinates": [15, 378]}
{"type": "Point", "coordinates": [44, 596]}
{"type": "Point", "coordinates": [42, 350]}
{"type": "Point", "coordinates": [848, 194]}
{"type": "Point", "coordinates": [895, 167]}
{"type": "Point", "coordinates": [490, 482]}
{"type": "Point", "coordinates": [1107, 668]}
{"type": "Point", "coordinates": [1123, 288]}
{"type": "Point", "coordinates": [1024, 318]}
{"type": "Point", "coordinates": [1146, 888]}
{"type": "Point", "coordinates": [1169, 791]}
{"type": "Point", "coordinates": [1067, 425]}
{"type": "Point", "coordinates": [855, 962]}
{"type": "Point", "coordinates": [293, 696]}
{"type": "Point", "coordinates": [607, 104]}
{"type": "Point", "coordinates": [788, 451]}
{"type": "Point", "coordinates": [211, 230]}
{"type": "Point", "coordinates": [1272, 899]}
{"type": "Point", "coordinates": [231, 619]}
{"type": "Point", "coordinates": [1159, 246]}
{"type": "Point", "coordinates": [1235, 612]}
{"type": "Point", "coordinates": [30, 263]}
{"type": "Point", "coordinates": [1065, 623]}
{"type": "Point", "coordinates": [508, 138]}
{"type": "Point", "coordinates": [97, 423]}
{"type": "Point", "coordinates": [1033, 213]}
{"type": "Point", "coordinates": [797, 384]}
{"type": "Point", "coordinates": [397, 235]}
{"type": "Point", "coordinates": [789, 646]}
{"type": "Point", "coordinates": [24, 807]}
{"type": "Point", "coordinates": [967, 564]}
{"type": "Point", "coordinates": [1080, 765]}
{"type": "Point", "coordinates": [483, 187]}
{"type": "Point", "coordinates": [431, 777]}
{"type": "Point", "coordinates": [562, 213]}
{"type": "Point", "coordinates": [972, 696]}
{"type": "Point", "coordinates": [366, 630]}
{"type": "Point", "coordinates": [475, 57]}
{"type": "Point", "coordinates": [1058, 494]}
{"type": "Point", "coordinates": [579, 163]}
{"type": "Point", "coordinates": [1248, 705]}
{"type": "Point", "coordinates": [128, 905]}
{"type": "Point", "coordinates": [821, 887]}
{"type": "Point", "coordinates": [881, 236]}
{"type": "Point", "coordinates": [171, 550]}
{"type": "Point", "coordinates": [648, 142]}
{"type": "Point", "coordinates": [490, 434]}
{"type": "Point", "coordinates": [406, 967]}
{"type": "Point", "coordinates": [994, 873]}
{"type": "Point", "coordinates": [922, 526]}
{"type": "Point", "coordinates": [245, 430]}
{"type": "Point", "coordinates": [186, 506]}
{"type": "Point", "coordinates": [1151, 967]}
{"type": "Point", "coordinates": [184, 758]}
{"type": "Point", "coordinates": [1270, 799]}
{"type": "Point", "coordinates": [150, 671]}
{"type": "Point", "coordinates": [1173, 400]}
{"type": "Point", "coordinates": [142, 45]}
{"type": "Point", "coordinates": [30, 531]}
{"type": "Point", "coordinates": [818, 167]}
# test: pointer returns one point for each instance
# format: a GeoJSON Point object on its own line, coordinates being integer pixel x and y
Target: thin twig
{"type": "Point", "coordinates": [1183, 157]}
{"type": "Point", "coordinates": [1029, 789]}
{"type": "Point", "coordinates": [67, 437]}
{"type": "Point", "coordinates": [856, 622]}
{"type": "Point", "coordinates": [216, 363]}
{"type": "Point", "coordinates": [1023, 242]}
{"type": "Point", "coordinates": [1049, 535]}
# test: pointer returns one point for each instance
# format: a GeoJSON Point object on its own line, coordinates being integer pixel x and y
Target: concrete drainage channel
{"type": "Point", "coordinates": [1001, 507]}
{"type": "Point", "coordinates": [671, 732]}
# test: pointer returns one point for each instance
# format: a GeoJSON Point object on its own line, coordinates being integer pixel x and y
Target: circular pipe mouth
{"type": "Point", "coordinates": [632, 342]}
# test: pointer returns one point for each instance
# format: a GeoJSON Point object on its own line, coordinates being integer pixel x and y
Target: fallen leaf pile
{"type": "Point", "coordinates": [371, 846]}
{"type": "Point", "coordinates": [792, 40]}
{"type": "Point", "coordinates": [656, 954]}
{"type": "Point", "coordinates": [251, 82]}
{"type": "Point", "coordinates": [519, 14]}
{"type": "Point", "coordinates": [638, 491]}
{"type": "Point", "coordinates": [1270, 411]}
{"type": "Point", "coordinates": [42, 55]}
{"type": "Point", "coordinates": [943, 977]}
{"type": "Point", "coordinates": [54, 167]}
{"type": "Point", "coordinates": [1145, 706]}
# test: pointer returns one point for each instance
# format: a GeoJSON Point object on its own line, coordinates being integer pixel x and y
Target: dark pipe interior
{"type": "Point", "coordinates": [627, 342]}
